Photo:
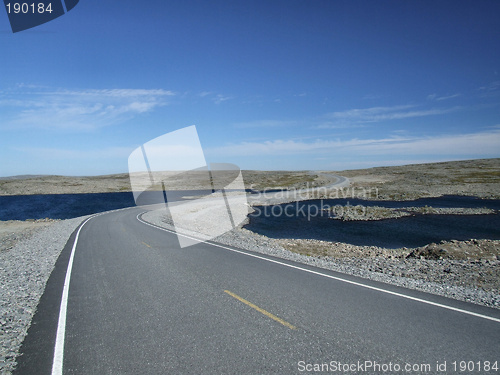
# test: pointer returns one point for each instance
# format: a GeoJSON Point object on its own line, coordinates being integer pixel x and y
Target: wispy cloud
{"type": "Point", "coordinates": [41, 107]}
{"type": "Point", "coordinates": [356, 164]}
{"type": "Point", "coordinates": [491, 90]}
{"type": "Point", "coordinates": [337, 125]}
{"type": "Point", "coordinates": [221, 98]}
{"type": "Point", "coordinates": [213, 96]}
{"type": "Point", "coordinates": [448, 97]}
{"type": "Point", "coordinates": [367, 113]}
{"type": "Point", "coordinates": [373, 96]}
{"type": "Point", "coordinates": [471, 144]}
{"type": "Point", "coordinates": [493, 86]}
{"type": "Point", "coordinates": [264, 124]}
{"type": "Point", "coordinates": [48, 153]}
{"type": "Point", "coordinates": [354, 118]}
{"type": "Point", "coordinates": [378, 114]}
{"type": "Point", "coordinates": [441, 98]}
{"type": "Point", "coordinates": [375, 114]}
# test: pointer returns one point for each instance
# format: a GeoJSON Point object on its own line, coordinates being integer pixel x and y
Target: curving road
{"type": "Point", "coordinates": [298, 194]}
{"type": "Point", "coordinates": [138, 304]}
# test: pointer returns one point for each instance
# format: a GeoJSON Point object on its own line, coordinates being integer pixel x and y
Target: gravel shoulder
{"type": "Point", "coordinates": [28, 253]}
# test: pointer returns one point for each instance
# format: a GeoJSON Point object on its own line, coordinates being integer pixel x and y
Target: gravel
{"type": "Point", "coordinates": [370, 213]}
{"type": "Point", "coordinates": [27, 264]}
{"type": "Point", "coordinates": [451, 278]}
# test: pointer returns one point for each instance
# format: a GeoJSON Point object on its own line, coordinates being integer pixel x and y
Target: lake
{"type": "Point", "coordinates": [67, 206]}
{"type": "Point", "coordinates": [409, 231]}
{"type": "Point", "coordinates": [391, 233]}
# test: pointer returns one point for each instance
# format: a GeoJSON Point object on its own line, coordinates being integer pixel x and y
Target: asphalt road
{"type": "Point", "coordinates": [340, 182]}
{"type": "Point", "coordinates": [138, 304]}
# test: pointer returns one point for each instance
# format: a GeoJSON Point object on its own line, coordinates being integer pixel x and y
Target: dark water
{"type": "Point", "coordinates": [61, 206]}
{"type": "Point", "coordinates": [410, 231]}
{"type": "Point", "coordinates": [66, 206]}
{"type": "Point", "coordinates": [407, 231]}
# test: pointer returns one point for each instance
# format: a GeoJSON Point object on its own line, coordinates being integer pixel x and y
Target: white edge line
{"type": "Point", "coordinates": [330, 276]}
{"type": "Point", "coordinates": [57, 362]}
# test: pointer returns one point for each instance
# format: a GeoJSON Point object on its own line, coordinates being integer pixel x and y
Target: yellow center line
{"type": "Point", "coordinates": [146, 244]}
{"type": "Point", "coordinates": [266, 313]}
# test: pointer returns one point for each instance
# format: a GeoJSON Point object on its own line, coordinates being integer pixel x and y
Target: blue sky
{"type": "Point", "coordinates": [321, 85]}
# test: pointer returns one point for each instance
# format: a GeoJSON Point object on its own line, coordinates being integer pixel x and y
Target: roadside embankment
{"type": "Point", "coordinates": [28, 253]}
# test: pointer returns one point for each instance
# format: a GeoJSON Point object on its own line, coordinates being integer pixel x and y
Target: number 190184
{"type": "Point", "coordinates": [469, 366]}
{"type": "Point", "coordinates": [28, 8]}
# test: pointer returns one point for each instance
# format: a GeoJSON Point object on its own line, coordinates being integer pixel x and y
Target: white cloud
{"type": "Point", "coordinates": [409, 114]}
{"type": "Point", "coordinates": [377, 114]}
{"type": "Point", "coordinates": [472, 144]}
{"type": "Point", "coordinates": [117, 93]}
{"type": "Point", "coordinates": [264, 124]}
{"type": "Point", "coordinates": [489, 91]}
{"type": "Point", "coordinates": [359, 117]}
{"type": "Point", "coordinates": [364, 163]}
{"type": "Point", "coordinates": [441, 98]}
{"type": "Point", "coordinates": [336, 125]}
{"type": "Point", "coordinates": [366, 113]}
{"type": "Point", "coordinates": [216, 98]}
{"type": "Point", "coordinates": [47, 153]}
{"type": "Point", "coordinates": [373, 96]}
{"type": "Point", "coordinates": [221, 98]}
{"type": "Point", "coordinates": [76, 109]}
{"type": "Point", "coordinates": [486, 143]}
{"type": "Point", "coordinates": [491, 87]}
{"type": "Point", "coordinates": [448, 97]}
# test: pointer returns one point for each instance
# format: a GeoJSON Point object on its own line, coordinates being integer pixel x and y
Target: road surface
{"type": "Point", "coordinates": [138, 304]}
{"type": "Point", "coordinates": [277, 197]}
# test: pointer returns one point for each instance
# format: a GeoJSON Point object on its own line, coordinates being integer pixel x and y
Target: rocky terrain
{"type": "Point", "coordinates": [12, 231]}
{"type": "Point", "coordinates": [28, 185]}
{"type": "Point", "coordinates": [472, 263]}
{"type": "Point", "coordinates": [369, 213]}
{"type": "Point", "coordinates": [480, 178]}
